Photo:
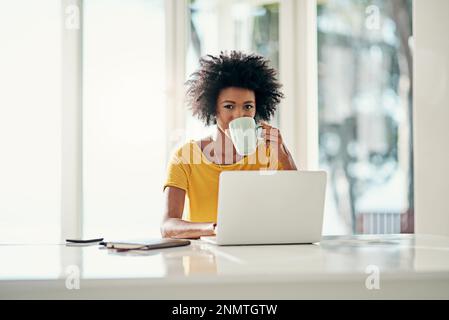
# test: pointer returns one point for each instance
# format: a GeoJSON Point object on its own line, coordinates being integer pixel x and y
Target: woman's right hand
{"type": "Point", "coordinates": [173, 226]}
{"type": "Point", "coordinates": [181, 229]}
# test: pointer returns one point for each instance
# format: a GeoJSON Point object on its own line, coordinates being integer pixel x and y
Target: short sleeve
{"type": "Point", "coordinates": [178, 171]}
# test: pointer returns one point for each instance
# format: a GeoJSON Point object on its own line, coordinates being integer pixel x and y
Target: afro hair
{"type": "Point", "coordinates": [234, 69]}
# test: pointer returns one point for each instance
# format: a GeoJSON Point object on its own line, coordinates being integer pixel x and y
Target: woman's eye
{"type": "Point", "coordinates": [248, 106]}
{"type": "Point", "coordinates": [229, 106]}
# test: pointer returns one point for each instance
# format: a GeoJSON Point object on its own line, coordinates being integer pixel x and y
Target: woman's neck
{"type": "Point", "coordinates": [223, 148]}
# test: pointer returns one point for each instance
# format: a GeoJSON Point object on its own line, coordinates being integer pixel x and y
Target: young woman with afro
{"type": "Point", "coordinates": [224, 88]}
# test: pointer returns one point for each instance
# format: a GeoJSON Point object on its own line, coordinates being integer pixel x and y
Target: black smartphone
{"type": "Point", "coordinates": [84, 241]}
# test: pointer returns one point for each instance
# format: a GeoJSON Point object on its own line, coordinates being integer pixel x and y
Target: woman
{"type": "Point", "coordinates": [225, 87]}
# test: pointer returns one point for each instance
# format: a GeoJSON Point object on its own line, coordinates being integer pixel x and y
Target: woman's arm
{"type": "Point", "coordinates": [172, 224]}
{"type": "Point", "coordinates": [286, 159]}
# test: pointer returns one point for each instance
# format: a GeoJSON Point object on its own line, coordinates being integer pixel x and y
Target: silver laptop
{"type": "Point", "coordinates": [269, 207]}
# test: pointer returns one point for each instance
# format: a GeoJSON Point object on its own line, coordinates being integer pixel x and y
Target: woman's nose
{"type": "Point", "coordinates": [239, 113]}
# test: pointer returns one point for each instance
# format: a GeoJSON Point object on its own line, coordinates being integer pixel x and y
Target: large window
{"type": "Point", "coordinates": [223, 25]}
{"type": "Point", "coordinates": [131, 79]}
{"type": "Point", "coordinates": [30, 120]}
{"type": "Point", "coordinates": [365, 114]}
{"type": "Point", "coordinates": [124, 128]}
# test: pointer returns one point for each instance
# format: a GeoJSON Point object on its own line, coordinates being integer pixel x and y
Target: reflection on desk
{"type": "Point", "coordinates": [409, 265]}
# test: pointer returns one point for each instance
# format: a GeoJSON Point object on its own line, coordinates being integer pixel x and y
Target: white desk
{"type": "Point", "coordinates": [410, 267]}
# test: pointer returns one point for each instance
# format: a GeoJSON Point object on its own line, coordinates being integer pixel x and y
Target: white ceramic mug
{"type": "Point", "coordinates": [245, 135]}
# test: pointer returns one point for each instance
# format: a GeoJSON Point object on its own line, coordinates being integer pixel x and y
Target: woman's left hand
{"type": "Point", "coordinates": [273, 139]}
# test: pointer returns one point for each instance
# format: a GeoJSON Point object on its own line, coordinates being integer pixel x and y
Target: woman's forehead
{"type": "Point", "coordinates": [236, 94]}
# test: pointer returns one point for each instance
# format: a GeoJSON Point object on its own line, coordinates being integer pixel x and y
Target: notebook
{"type": "Point", "coordinates": [145, 244]}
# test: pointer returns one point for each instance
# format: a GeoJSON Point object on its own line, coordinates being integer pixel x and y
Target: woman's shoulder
{"type": "Point", "coordinates": [201, 143]}
{"type": "Point", "coordinates": [179, 151]}
{"type": "Point", "coordinates": [184, 152]}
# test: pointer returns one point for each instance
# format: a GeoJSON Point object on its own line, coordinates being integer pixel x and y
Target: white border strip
{"type": "Point", "coordinates": [71, 166]}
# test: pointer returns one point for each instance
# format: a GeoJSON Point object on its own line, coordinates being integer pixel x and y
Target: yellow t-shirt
{"type": "Point", "coordinates": [190, 170]}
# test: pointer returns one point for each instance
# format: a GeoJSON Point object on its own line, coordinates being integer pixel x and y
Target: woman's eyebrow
{"type": "Point", "coordinates": [230, 101]}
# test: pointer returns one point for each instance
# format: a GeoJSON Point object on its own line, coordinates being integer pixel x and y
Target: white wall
{"type": "Point", "coordinates": [431, 116]}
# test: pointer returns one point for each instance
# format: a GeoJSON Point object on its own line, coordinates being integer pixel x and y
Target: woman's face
{"type": "Point", "coordinates": [233, 103]}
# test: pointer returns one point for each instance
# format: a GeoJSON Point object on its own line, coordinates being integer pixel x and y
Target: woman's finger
{"type": "Point", "coordinates": [269, 142]}
{"type": "Point", "coordinates": [272, 138]}
{"type": "Point", "coordinates": [272, 135]}
{"type": "Point", "coordinates": [265, 125]}
{"type": "Point", "coordinates": [270, 130]}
